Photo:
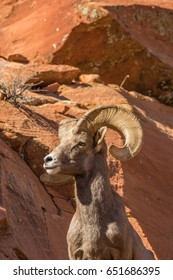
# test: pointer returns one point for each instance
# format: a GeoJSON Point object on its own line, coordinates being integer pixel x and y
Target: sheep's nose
{"type": "Point", "coordinates": [48, 159]}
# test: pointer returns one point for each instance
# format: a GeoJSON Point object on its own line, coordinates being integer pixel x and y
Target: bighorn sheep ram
{"type": "Point", "coordinates": [99, 228]}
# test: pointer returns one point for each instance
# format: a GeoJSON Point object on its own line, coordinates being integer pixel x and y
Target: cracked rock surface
{"type": "Point", "coordinates": [30, 220]}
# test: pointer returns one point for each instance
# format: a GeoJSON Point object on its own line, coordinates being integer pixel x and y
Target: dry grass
{"type": "Point", "coordinates": [14, 89]}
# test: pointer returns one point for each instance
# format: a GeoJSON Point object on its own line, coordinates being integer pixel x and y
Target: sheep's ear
{"type": "Point", "coordinates": [99, 136]}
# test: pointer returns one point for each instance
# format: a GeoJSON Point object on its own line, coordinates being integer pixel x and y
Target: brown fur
{"type": "Point", "coordinates": [99, 228]}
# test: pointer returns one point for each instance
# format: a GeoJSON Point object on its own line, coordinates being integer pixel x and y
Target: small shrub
{"type": "Point", "coordinates": [14, 89]}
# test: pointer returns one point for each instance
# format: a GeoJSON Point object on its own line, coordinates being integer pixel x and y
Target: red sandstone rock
{"type": "Point", "coordinates": [150, 25]}
{"type": "Point", "coordinates": [3, 216]}
{"type": "Point", "coordinates": [127, 40]}
{"type": "Point", "coordinates": [1, 95]}
{"type": "Point", "coordinates": [124, 46]}
{"type": "Point", "coordinates": [52, 88]}
{"type": "Point", "coordinates": [38, 28]}
{"type": "Point", "coordinates": [17, 58]}
{"type": "Point", "coordinates": [90, 78]}
{"type": "Point", "coordinates": [95, 95]}
{"type": "Point", "coordinates": [10, 69]}
{"type": "Point", "coordinates": [148, 177]}
{"type": "Point", "coordinates": [49, 74]}
{"type": "Point", "coordinates": [32, 219]}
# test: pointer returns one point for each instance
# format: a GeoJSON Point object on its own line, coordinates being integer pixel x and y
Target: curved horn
{"type": "Point", "coordinates": [119, 118]}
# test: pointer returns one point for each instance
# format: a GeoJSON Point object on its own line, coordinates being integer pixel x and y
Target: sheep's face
{"type": "Point", "coordinates": [74, 155]}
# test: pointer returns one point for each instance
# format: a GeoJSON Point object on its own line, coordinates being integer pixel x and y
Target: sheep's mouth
{"type": "Point", "coordinates": [51, 167]}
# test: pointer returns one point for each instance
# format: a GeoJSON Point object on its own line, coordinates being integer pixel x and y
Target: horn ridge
{"type": "Point", "coordinates": [119, 118]}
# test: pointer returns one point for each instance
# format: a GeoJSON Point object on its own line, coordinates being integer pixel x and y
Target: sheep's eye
{"type": "Point", "coordinates": [81, 143]}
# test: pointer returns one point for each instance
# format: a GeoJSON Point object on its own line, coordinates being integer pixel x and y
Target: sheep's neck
{"type": "Point", "coordinates": [94, 195]}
